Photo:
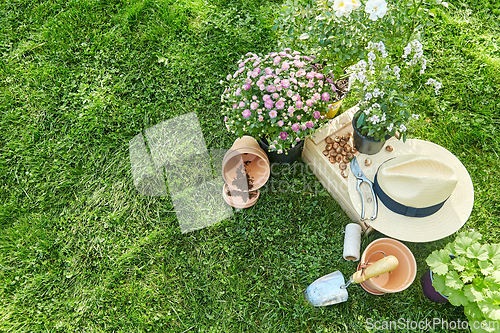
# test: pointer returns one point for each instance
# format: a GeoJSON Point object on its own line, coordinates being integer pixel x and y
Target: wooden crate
{"type": "Point", "coordinates": [329, 174]}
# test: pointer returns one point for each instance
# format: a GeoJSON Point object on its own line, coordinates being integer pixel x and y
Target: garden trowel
{"type": "Point", "coordinates": [332, 289]}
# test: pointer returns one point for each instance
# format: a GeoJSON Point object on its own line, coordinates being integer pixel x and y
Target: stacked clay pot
{"type": "Point", "coordinates": [245, 158]}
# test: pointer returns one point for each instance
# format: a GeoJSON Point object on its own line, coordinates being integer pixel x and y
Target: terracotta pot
{"type": "Point", "coordinates": [397, 280]}
{"type": "Point", "coordinates": [246, 151]}
{"type": "Point", "coordinates": [364, 144]}
{"type": "Point", "coordinates": [428, 289]}
{"type": "Point", "coordinates": [291, 155]}
{"type": "Point", "coordinates": [238, 199]}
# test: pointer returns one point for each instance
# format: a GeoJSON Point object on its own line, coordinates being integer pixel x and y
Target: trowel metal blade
{"type": "Point", "coordinates": [326, 290]}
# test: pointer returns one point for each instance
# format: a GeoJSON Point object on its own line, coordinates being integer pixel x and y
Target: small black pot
{"type": "Point", "coordinates": [291, 155]}
{"type": "Point", "coordinates": [364, 144]}
{"type": "Point", "coordinates": [428, 288]}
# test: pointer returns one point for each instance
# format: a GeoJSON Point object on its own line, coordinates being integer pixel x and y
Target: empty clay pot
{"type": "Point", "coordinates": [246, 151]}
{"type": "Point", "coordinates": [397, 280]}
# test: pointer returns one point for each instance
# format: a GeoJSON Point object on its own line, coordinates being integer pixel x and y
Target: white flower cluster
{"type": "Point", "coordinates": [418, 56]}
{"type": "Point", "coordinates": [376, 8]}
{"type": "Point", "coordinates": [358, 71]}
{"type": "Point", "coordinates": [345, 7]}
{"type": "Point", "coordinates": [379, 47]}
{"type": "Point", "coordinates": [436, 84]}
{"type": "Point", "coordinates": [444, 3]}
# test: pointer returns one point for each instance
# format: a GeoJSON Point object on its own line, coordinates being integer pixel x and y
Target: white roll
{"type": "Point", "coordinates": [352, 242]}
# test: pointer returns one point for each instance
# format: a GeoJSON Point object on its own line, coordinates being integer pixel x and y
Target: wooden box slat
{"type": "Point", "coordinates": [327, 173]}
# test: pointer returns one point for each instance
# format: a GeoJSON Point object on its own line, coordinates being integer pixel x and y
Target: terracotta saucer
{"type": "Point", "coordinates": [237, 201]}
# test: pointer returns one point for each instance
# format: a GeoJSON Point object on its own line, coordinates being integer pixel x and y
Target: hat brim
{"type": "Point", "coordinates": [447, 220]}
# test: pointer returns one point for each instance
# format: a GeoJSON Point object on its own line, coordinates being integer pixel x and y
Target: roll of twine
{"type": "Point", "coordinates": [352, 242]}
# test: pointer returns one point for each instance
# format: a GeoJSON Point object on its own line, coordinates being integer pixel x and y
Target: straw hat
{"type": "Point", "coordinates": [424, 192]}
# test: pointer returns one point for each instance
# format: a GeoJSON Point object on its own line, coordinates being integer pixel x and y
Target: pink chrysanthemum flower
{"type": "Point", "coordinates": [301, 72]}
{"type": "Point", "coordinates": [273, 114]}
{"type": "Point", "coordinates": [247, 113]}
{"type": "Point", "coordinates": [269, 104]}
{"type": "Point", "coordinates": [296, 127]}
{"type": "Point", "coordinates": [271, 88]}
{"type": "Point", "coordinates": [310, 124]}
{"type": "Point", "coordinates": [280, 123]}
{"type": "Point", "coordinates": [316, 114]}
{"type": "Point", "coordinates": [280, 105]}
{"type": "Point", "coordinates": [254, 105]}
{"type": "Point", "coordinates": [283, 135]}
{"type": "Point", "coordinates": [325, 96]}
{"type": "Point", "coordinates": [285, 83]}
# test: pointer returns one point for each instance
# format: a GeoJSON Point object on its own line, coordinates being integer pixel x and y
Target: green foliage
{"type": "Point", "coordinates": [467, 279]}
{"type": "Point", "coordinates": [438, 262]}
{"type": "Point", "coordinates": [341, 37]}
{"type": "Point", "coordinates": [82, 251]}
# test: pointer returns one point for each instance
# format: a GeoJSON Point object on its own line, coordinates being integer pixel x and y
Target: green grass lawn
{"type": "Point", "coordinates": [82, 250]}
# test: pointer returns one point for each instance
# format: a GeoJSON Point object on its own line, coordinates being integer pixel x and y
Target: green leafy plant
{"type": "Point", "coordinates": [339, 30]}
{"type": "Point", "coordinates": [468, 273]}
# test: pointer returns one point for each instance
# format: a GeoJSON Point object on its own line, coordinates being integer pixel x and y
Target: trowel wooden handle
{"type": "Point", "coordinates": [382, 266]}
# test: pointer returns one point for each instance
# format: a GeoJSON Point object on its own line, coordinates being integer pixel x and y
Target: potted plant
{"type": "Point", "coordinates": [339, 30]}
{"type": "Point", "coordinates": [387, 94]}
{"type": "Point", "coordinates": [279, 98]}
{"type": "Point", "coordinates": [468, 273]}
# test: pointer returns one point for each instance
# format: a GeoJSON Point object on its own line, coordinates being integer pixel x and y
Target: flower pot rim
{"type": "Point", "coordinates": [431, 273]}
{"type": "Point", "coordinates": [387, 137]}
{"type": "Point", "coordinates": [239, 152]}
{"type": "Point", "coordinates": [408, 255]}
{"type": "Point", "coordinates": [266, 144]}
